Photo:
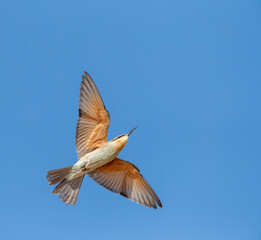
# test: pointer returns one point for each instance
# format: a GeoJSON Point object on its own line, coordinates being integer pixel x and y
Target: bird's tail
{"type": "Point", "coordinates": [68, 190]}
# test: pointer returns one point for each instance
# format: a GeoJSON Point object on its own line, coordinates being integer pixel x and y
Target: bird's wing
{"type": "Point", "coordinates": [94, 119]}
{"type": "Point", "coordinates": [123, 177]}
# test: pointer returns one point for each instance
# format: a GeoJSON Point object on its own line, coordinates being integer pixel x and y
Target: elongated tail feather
{"type": "Point", "coordinates": [68, 190]}
{"type": "Point", "coordinates": [57, 175]}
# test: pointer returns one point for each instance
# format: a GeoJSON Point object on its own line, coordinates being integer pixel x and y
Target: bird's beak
{"type": "Point", "coordinates": [129, 133]}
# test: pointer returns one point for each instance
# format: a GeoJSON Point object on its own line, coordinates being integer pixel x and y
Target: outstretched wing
{"type": "Point", "coordinates": [123, 177]}
{"type": "Point", "coordinates": [94, 119]}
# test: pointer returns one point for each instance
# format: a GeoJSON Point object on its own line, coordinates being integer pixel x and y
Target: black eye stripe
{"type": "Point", "coordinates": [118, 137]}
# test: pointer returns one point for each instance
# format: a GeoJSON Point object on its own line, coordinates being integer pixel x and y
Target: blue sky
{"type": "Point", "coordinates": [188, 72]}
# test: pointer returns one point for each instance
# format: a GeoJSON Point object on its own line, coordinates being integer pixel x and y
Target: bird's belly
{"type": "Point", "coordinates": [97, 158]}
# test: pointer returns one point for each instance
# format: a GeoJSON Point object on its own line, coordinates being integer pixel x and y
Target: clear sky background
{"type": "Point", "coordinates": [188, 72]}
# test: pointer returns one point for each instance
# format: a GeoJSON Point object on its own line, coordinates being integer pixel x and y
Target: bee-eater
{"type": "Point", "coordinates": [98, 157]}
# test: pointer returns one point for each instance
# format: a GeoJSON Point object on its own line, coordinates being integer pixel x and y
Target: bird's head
{"type": "Point", "coordinates": [122, 139]}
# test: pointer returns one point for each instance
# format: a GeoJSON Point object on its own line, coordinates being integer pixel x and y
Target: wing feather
{"type": "Point", "coordinates": [123, 177]}
{"type": "Point", "coordinates": [94, 119]}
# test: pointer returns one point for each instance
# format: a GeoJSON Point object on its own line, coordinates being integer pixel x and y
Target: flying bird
{"type": "Point", "coordinates": [97, 157]}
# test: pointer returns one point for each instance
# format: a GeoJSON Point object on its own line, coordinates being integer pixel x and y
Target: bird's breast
{"type": "Point", "coordinates": [98, 157]}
